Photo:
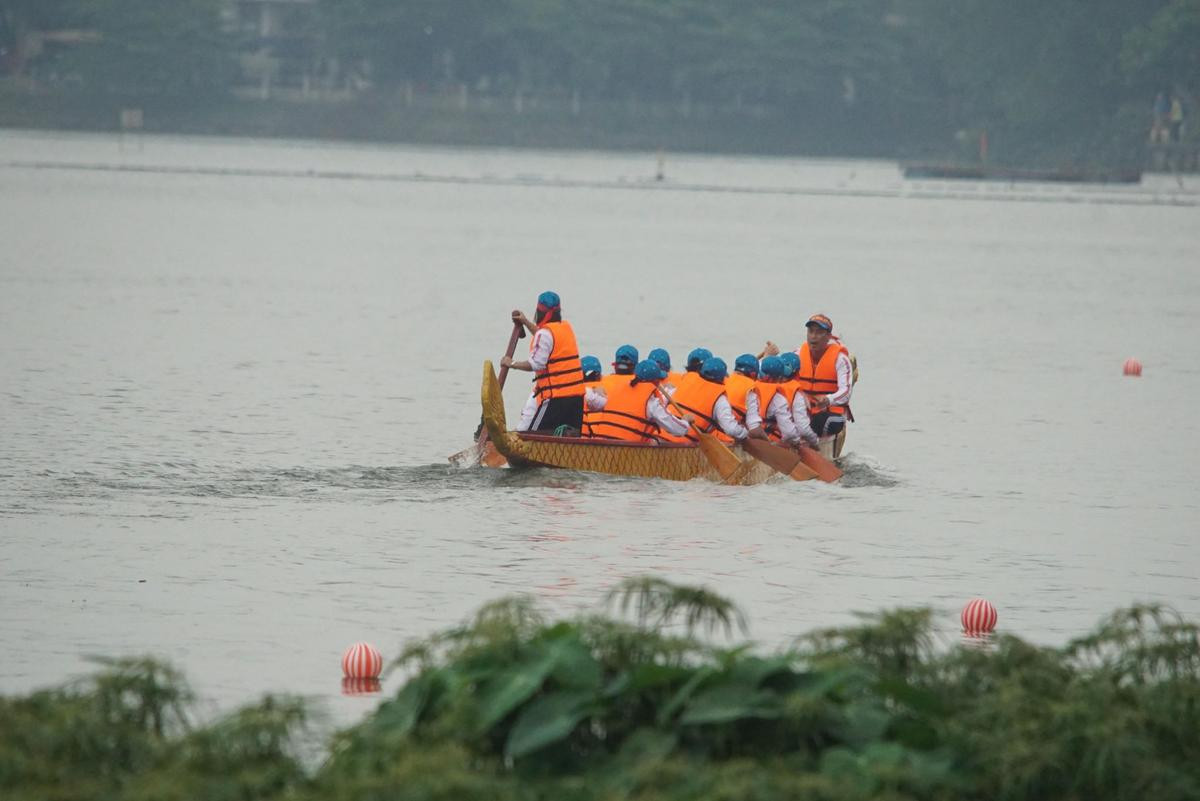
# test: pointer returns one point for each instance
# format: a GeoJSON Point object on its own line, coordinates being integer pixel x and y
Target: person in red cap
{"type": "Point", "coordinates": [825, 377]}
{"type": "Point", "coordinates": [559, 386]}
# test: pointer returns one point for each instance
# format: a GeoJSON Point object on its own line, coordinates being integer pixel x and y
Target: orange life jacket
{"type": "Point", "coordinates": [820, 378]}
{"type": "Point", "coordinates": [624, 414]}
{"type": "Point", "coordinates": [698, 398]}
{"type": "Point", "coordinates": [788, 389]}
{"type": "Point", "coordinates": [563, 376]}
{"type": "Point", "coordinates": [686, 378]}
{"type": "Point", "coordinates": [737, 386]}
{"type": "Point", "coordinates": [606, 384]}
{"type": "Point", "coordinates": [766, 393]}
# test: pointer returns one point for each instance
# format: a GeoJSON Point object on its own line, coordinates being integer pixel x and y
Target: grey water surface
{"type": "Point", "coordinates": [232, 373]}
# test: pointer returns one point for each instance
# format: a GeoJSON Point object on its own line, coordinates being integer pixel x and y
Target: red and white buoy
{"type": "Point", "coordinates": [362, 661]}
{"type": "Point", "coordinates": [979, 616]}
{"type": "Point", "coordinates": [1133, 367]}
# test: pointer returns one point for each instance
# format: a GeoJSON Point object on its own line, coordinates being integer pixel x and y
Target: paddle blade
{"type": "Point", "coordinates": [468, 457]}
{"type": "Point", "coordinates": [785, 461]}
{"type": "Point", "coordinates": [824, 469]}
{"type": "Point", "coordinates": [723, 460]}
{"type": "Point", "coordinates": [492, 457]}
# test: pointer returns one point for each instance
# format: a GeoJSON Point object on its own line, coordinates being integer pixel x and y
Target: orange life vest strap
{"type": "Point", "coordinates": [624, 414]}
{"type": "Point", "coordinates": [563, 376]}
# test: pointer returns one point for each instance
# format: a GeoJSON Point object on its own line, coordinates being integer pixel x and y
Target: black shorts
{"type": "Point", "coordinates": [558, 412]}
{"type": "Point", "coordinates": [827, 424]}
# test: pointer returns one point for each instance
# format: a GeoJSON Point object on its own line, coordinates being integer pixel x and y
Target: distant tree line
{"type": "Point", "coordinates": [1042, 72]}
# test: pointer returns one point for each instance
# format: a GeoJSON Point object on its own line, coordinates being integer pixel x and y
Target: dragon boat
{"type": "Point", "coordinates": [676, 462]}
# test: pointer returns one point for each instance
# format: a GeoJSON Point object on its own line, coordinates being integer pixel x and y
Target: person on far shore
{"type": "Point", "coordinates": [1175, 119]}
{"type": "Point", "coordinates": [1159, 132]}
{"type": "Point", "coordinates": [557, 398]}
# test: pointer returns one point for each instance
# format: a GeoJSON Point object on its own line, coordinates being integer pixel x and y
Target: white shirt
{"type": "Point", "coordinates": [594, 398]}
{"type": "Point", "coordinates": [666, 421]}
{"type": "Point", "coordinates": [844, 369]}
{"type": "Point", "coordinates": [800, 418]}
{"type": "Point", "coordinates": [723, 413]}
{"type": "Point", "coordinates": [539, 352]}
{"type": "Point", "coordinates": [777, 410]}
{"type": "Point", "coordinates": [753, 416]}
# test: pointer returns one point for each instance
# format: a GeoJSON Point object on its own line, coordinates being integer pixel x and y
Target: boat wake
{"type": "Point", "coordinates": [862, 471]}
{"type": "Point", "coordinates": [188, 483]}
{"type": "Point", "coordinates": [192, 482]}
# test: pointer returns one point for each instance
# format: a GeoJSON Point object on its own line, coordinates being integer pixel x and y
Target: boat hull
{"type": "Point", "coordinates": [675, 462]}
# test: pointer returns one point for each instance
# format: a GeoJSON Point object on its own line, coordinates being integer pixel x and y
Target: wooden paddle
{"type": "Point", "coordinates": [814, 461]}
{"type": "Point", "coordinates": [825, 469]}
{"type": "Point", "coordinates": [518, 332]}
{"type": "Point", "coordinates": [479, 452]}
{"type": "Point", "coordinates": [782, 459]}
{"type": "Point", "coordinates": [718, 454]}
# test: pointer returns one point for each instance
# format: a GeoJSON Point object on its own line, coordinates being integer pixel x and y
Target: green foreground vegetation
{"type": "Point", "coordinates": [1050, 81]}
{"type": "Point", "coordinates": [642, 705]}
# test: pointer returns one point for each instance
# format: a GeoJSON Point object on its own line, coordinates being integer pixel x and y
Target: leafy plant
{"type": "Point", "coordinates": [512, 706]}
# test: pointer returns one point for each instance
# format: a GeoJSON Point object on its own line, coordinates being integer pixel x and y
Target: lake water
{"type": "Point", "coordinates": [232, 372]}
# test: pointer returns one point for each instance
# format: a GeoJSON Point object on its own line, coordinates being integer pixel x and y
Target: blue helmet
{"type": "Point", "coordinates": [772, 366]}
{"type": "Point", "coordinates": [791, 363]}
{"type": "Point", "coordinates": [649, 371]}
{"type": "Point", "coordinates": [661, 358]}
{"type": "Point", "coordinates": [627, 354]}
{"type": "Point", "coordinates": [549, 299]}
{"type": "Point", "coordinates": [746, 364]}
{"type": "Point", "coordinates": [697, 358]}
{"type": "Point", "coordinates": [714, 369]}
{"type": "Point", "coordinates": [590, 364]}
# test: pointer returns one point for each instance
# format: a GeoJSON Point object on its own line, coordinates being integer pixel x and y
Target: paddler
{"type": "Point", "coordinates": [663, 359]}
{"type": "Point", "coordinates": [593, 396]}
{"type": "Point", "coordinates": [624, 362]}
{"type": "Point", "coordinates": [694, 360]}
{"type": "Point", "coordinates": [633, 408]}
{"type": "Point", "coordinates": [825, 376]}
{"type": "Point", "coordinates": [558, 390]}
{"type": "Point", "coordinates": [779, 420]}
{"type": "Point", "coordinates": [790, 388]}
{"type": "Point", "coordinates": [591, 370]}
{"type": "Point", "coordinates": [704, 398]}
{"type": "Point", "coordinates": [742, 390]}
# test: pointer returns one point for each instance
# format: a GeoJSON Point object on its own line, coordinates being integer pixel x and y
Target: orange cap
{"type": "Point", "coordinates": [820, 320]}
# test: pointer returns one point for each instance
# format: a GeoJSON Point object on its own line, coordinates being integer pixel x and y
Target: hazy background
{"type": "Point", "coordinates": [1050, 83]}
